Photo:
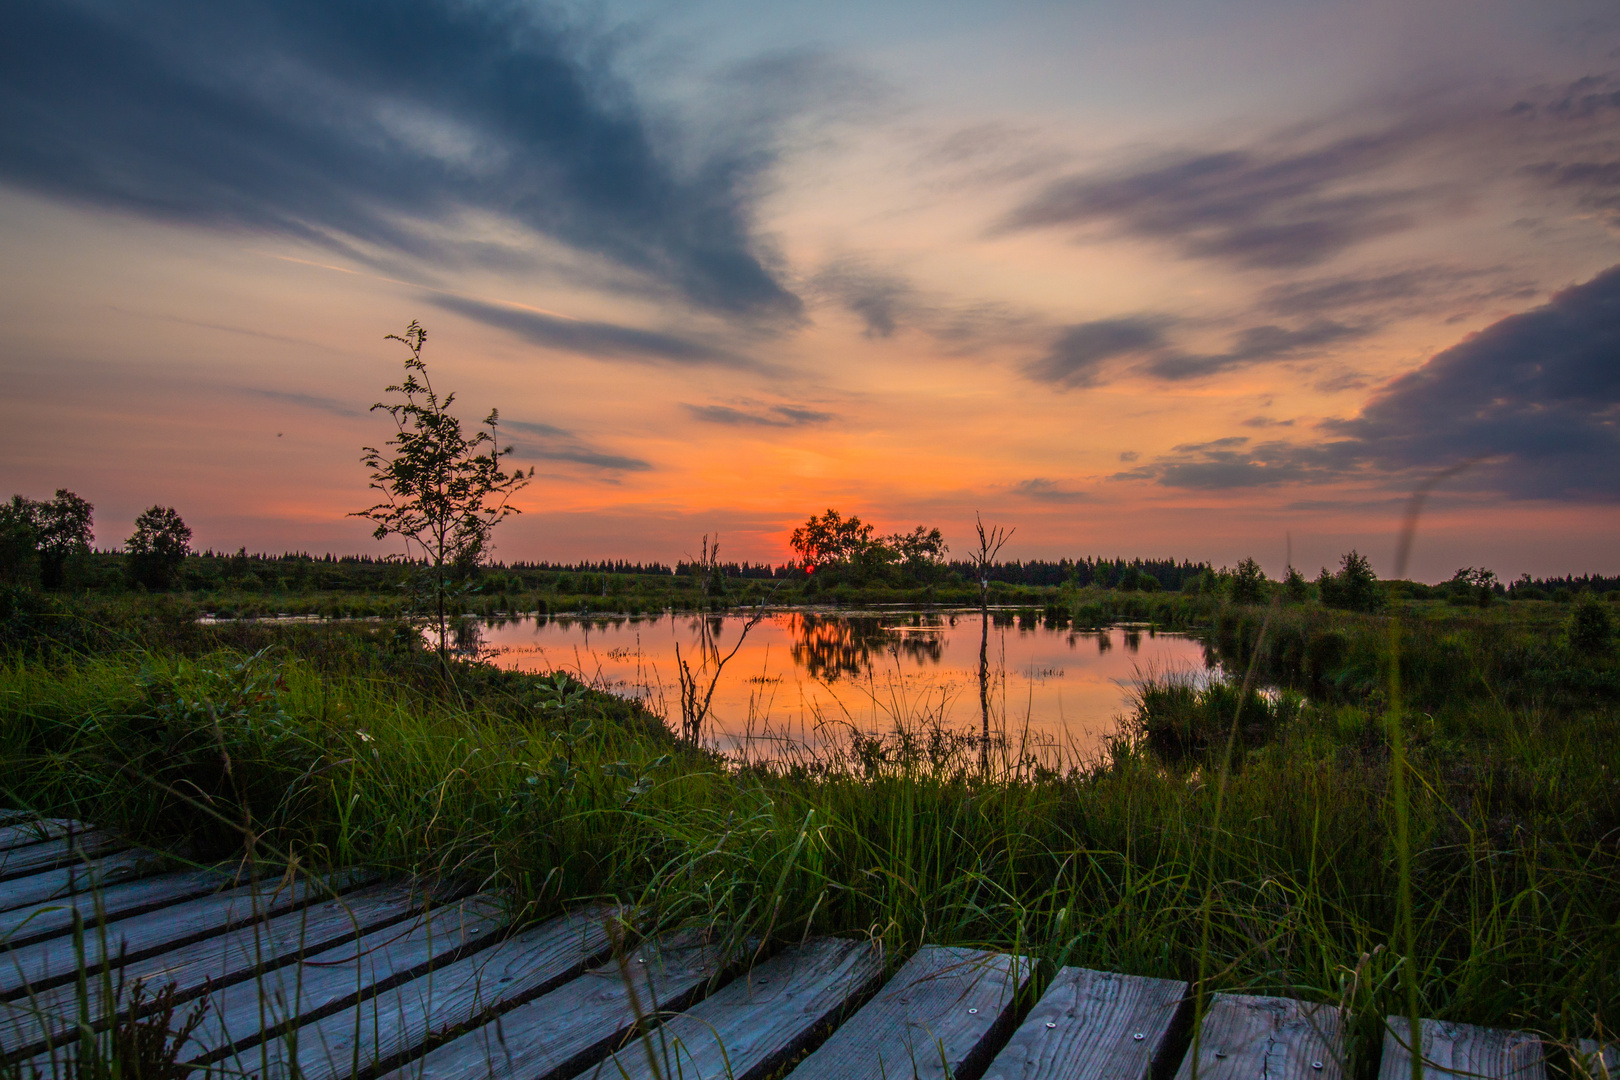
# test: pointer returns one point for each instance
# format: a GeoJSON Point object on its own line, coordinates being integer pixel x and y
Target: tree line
{"type": "Point", "coordinates": [43, 539]}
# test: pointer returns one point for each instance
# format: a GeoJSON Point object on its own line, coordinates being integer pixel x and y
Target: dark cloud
{"type": "Point", "coordinates": [1082, 354]}
{"type": "Point", "coordinates": [1532, 400]}
{"type": "Point", "coordinates": [777, 416]}
{"type": "Point", "coordinates": [551, 443]}
{"type": "Point", "coordinates": [1265, 206]}
{"type": "Point", "coordinates": [1595, 184]}
{"type": "Point", "coordinates": [1044, 490]}
{"type": "Point", "coordinates": [1077, 357]}
{"type": "Point", "coordinates": [1266, 422]}
{"type": "Point", "coordinates": [1233, 462]}
{"type": "Point", "coordinates": [1254, 345]}
{"type": "Point", "coordinates": [606, 341]}
{"type": "Point", "coordinates": [1536, 396]}
{"type": "Point", "coordinates": [368, 126]}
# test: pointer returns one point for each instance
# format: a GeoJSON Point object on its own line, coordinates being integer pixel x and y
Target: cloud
{"type": "Point", "coordinates": [1232, 462]}
{"type": "Point", "coordinates": [1536, 396]}
{"type": "Point", "coordinates": [603, 341]}
{"type": "Point", "coordinates": [880, 298]}
{"type": "Point", "coordinates": [1254, 345]}
{"type": "Point", "coordinates": [1082, 354]}
{"type": "Point", "coordinates": [1532, 400]}
{"type": "Point", "coordinates": [552, 443]}
{"type": "Point", "coordinates": [1043, 490]}
{"type": "Point", "coordinates": [777, 416]}
{"type": "Point", "coordinates": [1077, 356]}
{"type": "Point", "coordinates": [1270, 206]}
{"type": "Point", "coordinates": [374, 129]}
{"type": "Point", "coordinates": [306, 401]}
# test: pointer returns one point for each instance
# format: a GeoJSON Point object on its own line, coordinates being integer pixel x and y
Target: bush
{"type": "Point", "coordinates": [1590, 628]}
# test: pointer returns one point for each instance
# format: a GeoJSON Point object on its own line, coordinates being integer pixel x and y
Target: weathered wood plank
{"type": "Point", "coordinates": [37, 829]}
{"type": "Point", "coordinates": [755, 1023]}
{"type": "Point", "coordinates": [1462, 1051]}
{"type": "Point", "coordinates": [45, 964]}
{"type": "Point", "coordinates": [328, 981]}
{"type": "Point", "coordinates": [1093, 1025]}
{"type": "Point", "coordinates": [943, 1015]}
{"type": "Point", "coordinates": [25, 925]}
{"type": "Point", "coordinates": [1599, 1062]}
{"type": "Point", "coordinates": [28, 1026]}
{"type": "Point", "coordinates": [393, 1023]}
{"type": "Point", "coordinates": [558, 1034]}
{"type": "Point", "coordinates": [78, 877]}
{"type": "Point", "coordinates": [78, 847]}
{"type": "Point", "coordinates": [1245, 1037]}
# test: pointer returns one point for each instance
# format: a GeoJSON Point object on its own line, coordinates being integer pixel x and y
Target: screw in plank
{"type": "Point", "coordinates": [1050, 1024]}
{"type": "Point", "coordinates": [1139, 1036]}
{"type": "Point", "coordinates": [1220, 1053]}
{"type": "Point", "coordinates": [973, 1011]}
{"type": "Point", "coordinates": [1316, 1064]}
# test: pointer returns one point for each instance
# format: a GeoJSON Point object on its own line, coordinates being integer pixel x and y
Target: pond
{"type": "Point", "coordinates": [801, 680]}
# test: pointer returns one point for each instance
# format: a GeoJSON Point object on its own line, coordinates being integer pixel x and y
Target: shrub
{"type": "Point", "coordinates": [1590, 628]}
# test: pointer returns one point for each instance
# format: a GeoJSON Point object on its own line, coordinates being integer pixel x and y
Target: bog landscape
{"type": "Point", "coordinates": [636, 540]}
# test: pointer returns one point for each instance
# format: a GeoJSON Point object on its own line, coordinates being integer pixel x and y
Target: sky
{"type": "Point", "coordinates": [1168, 278]}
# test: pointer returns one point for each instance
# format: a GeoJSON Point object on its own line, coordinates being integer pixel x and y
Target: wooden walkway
{"type": "Point", "coordinates": [350, 976]}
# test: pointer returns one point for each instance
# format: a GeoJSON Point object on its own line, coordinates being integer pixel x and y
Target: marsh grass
{"type": "Point", "coordinates": [1272, 865]}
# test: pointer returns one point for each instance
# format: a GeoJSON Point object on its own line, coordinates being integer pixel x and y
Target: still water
{"type": "Point", "coordinates": [800, 680]}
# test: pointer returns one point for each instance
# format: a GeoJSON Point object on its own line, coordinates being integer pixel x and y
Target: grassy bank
{"type": "Point", "coordinates": [345, 743]}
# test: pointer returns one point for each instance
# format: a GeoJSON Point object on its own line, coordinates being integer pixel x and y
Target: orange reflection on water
{"type": "Point", "coordinates": [800, 677]}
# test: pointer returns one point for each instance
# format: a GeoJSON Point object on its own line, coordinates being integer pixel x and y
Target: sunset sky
{"type": "Point", "coordinates": [1186, 279]}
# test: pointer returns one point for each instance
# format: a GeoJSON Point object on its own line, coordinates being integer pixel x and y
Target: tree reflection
{"type": "Point", "coordinates": [830, 646]}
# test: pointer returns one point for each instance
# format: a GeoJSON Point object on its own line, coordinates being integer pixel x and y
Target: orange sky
{"type": "Point", "coordinates": [1127, 305]}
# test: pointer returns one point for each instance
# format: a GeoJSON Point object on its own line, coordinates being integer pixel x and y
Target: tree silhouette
{"type": "Point", "coordinates": [443, 491]}
{"type": "Point", "coordinates": [158, 548]}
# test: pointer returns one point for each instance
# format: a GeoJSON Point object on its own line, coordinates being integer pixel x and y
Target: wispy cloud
{"type": "Point", "coordinates": [330, 123]}
{"type": "Point", "coordinates": [548, 442]}
{"type": "Point", "coordinates": [604, 341]}
{"type": "Point", "coordinates": [776, 416]}
{"type": "Point", "coordinates": [1043, 490]}
{"type": "Point", "coordinates": [305, 401]}
{"type": "Point", "coordinates": [1268, 205]}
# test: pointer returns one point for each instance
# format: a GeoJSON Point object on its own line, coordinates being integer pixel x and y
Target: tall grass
{"type": "Point", "coordinates": [1285, 883]}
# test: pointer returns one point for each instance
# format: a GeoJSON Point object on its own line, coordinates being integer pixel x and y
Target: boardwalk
{"type": "Point", "coordinates": [351, 976]}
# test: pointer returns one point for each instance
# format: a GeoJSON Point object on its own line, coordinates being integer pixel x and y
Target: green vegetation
{"type": "Point", "coordinates": [348, 742]}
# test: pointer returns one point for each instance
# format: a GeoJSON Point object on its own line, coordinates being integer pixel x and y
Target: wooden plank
{"type": "Point", "coordinates": [45, 964]}
{"type": "Point", "coordinates": [78, 847]}
{"type": "Point", "coordinates": [558, 1034]}
{"type": "Point", "coordinates": [387, 1026]}
{"type": "Point", "coordinates": [1461, 1050]}
{"type": "Point", "coordinates": [77, 877]}
{"type": "Point", "coordinates": [757, 1022]}
{"type": "Point", "coordinates": [1245, 1037]}
{"type": "Point", "coordinates": [1093, 1025]}
{"type": "Point", "coordinates": [1599, 1062]}
{"type": "Point", "coordinates": [942, 1015]}
{"type": "Point", "coordinates": [38, 829]}
{"type": "Point", "coordinates": [322, 984]}
{"type": "Point", "coordinates": [25, 925]}
{"type": "Point", "coordinates": [28, 1026]}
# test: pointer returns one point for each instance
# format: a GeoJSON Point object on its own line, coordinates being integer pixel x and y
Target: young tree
{"type": "Point", "coordinates": [63, 529]}
{"type": "Point", "coordinates": [1355, 587]}
{"type": "Point", "coordinates": [1590, 629]}
{"type": "Point", "coordinates": [1297, 588]}
{"type": "Point", "coordinates": [443, 491]}
{"type": "Point", "coordinates": [158, 548]}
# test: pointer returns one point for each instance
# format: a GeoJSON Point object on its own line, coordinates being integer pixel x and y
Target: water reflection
{"type": "Point", "coordinates": [797, 672]}
{"type": "Point", "coordinates": [830, 646]}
